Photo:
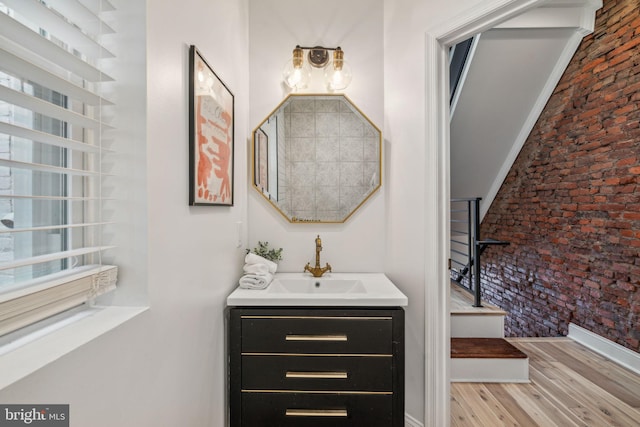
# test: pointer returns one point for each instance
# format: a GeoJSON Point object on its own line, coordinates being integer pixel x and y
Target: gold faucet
{"type": "Point", "coordinates": [317, 271]}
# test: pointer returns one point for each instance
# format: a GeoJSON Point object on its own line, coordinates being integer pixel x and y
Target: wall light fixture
{"type": "Point", "coordinates": [297, 71]}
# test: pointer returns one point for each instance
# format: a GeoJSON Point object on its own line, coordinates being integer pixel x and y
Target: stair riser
{"type": "Point", "coordinates": [477, 326]}
{"type": "Point", "coordinates": [490, 370]}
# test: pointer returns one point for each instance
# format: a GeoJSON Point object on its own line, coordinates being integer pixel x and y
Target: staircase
{"type": "Point", "coordinates": [466, 245]}
{"type": "Point", "coordinates": [479, 351]}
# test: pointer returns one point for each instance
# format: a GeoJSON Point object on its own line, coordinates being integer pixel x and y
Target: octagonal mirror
{"type": "Point", "coordinates": [316, 158]}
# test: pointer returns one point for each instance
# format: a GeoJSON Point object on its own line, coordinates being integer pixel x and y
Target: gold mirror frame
{"type": "Point", "coordinates": [306, 159]}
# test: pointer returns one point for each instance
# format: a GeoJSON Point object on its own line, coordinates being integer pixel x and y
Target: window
{"type": "Point", "coordinates": [53, 141]}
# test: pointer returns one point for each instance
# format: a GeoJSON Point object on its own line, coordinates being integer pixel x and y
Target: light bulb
{"type": "Point", "coordinates": [296, 72]}
{"type": "Point", "coordinates": [337, 79]}
{"type": "Point", "coordinates": [337, 75]}
{"type": "Point", "coordinates": [296, 78]}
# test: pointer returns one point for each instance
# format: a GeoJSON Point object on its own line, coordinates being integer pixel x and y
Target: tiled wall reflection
{"type": "Point", "coordinates": [331, 156]}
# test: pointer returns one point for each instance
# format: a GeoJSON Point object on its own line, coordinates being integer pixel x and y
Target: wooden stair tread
{"type": "Point", "coordinates": [484, 348]}
{"type": "Point", "coordinates": [462, 304]}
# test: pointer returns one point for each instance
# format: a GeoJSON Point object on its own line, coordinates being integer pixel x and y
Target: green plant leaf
{"type": "Point", "coordinates": [266, 252]}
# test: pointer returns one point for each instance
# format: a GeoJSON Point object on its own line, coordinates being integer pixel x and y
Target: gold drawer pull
{"type": "Point", "coordinates": [316, 413]}
{"type": "Point", "coordinates": [316, 338]}
{"type": "Point", "coordinates": [318, 375]}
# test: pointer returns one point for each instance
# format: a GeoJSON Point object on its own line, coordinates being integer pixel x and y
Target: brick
{"type": "Point", "coordinates": [570, 206]}
{"type": "Point", "coordinates": [627, 161]}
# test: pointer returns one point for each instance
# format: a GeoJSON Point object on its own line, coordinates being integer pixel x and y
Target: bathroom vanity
{"type": "Point", "coordinates": [316, 355]}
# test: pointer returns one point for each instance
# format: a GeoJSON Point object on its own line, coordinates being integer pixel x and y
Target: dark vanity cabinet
{"type": "Point", "coordinates": [316, 367]}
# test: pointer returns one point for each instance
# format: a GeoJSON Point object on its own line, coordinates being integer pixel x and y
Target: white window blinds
{"type": "Point", "coordinates": [53, 142]}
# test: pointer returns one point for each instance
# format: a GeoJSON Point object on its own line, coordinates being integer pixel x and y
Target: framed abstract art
{"type": "Point", "coordinates": [210, 135]}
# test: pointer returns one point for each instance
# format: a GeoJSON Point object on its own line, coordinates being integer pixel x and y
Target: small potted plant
{"type": "Point", "coordinates": [266, 252]}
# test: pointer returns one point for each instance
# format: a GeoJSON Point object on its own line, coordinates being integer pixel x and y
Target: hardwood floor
{"type": "Point", "coordinates": [570, 386]}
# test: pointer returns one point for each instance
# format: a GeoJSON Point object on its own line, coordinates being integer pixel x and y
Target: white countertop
{"type": "Point", "coordinates": [333, 289]}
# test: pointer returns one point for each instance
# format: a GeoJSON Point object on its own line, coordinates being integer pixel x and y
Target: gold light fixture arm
{"type": "Point", "coordinates": [318, 56]}
{"type": "Point", "coordinates": [337, 73]}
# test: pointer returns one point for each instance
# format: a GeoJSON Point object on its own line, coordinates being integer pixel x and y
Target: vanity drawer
{"type": "Point", "coordinates": [316, 410]}
{"type": "Point", "coordinates": [352, 373]}
{"type": "Point", "coordinates": [316, 335]}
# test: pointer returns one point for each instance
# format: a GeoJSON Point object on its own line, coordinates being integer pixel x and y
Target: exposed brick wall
{"type": "Point", "coordinates": [570, 206]}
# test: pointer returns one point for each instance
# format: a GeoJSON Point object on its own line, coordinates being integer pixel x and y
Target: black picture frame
{"type": "Point", "coordinates": [211, 135]}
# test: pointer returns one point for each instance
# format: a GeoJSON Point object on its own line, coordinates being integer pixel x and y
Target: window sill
{"type": "Point", "coordinates": [39, 349]}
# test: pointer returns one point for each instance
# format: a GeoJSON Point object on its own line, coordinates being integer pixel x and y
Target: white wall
{"type": "Point", "coordinates": [385, 43]}
{"type": "Point", "coordinates": [409, 213]}
{"type": "Point", "coordinates": [165, 367]}
{"type": "Point", "coordinates": [275, 28]}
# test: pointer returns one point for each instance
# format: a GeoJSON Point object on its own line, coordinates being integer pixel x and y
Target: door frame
{"type": "Point", "coordinates": [437, 192]}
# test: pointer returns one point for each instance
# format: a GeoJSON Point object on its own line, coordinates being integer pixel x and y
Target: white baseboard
{"type": "Point", "coordinates": [409, 421]}
{"type": "Point", "coordinates": [611, 350]}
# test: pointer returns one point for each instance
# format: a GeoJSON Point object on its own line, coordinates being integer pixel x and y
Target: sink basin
{"type": "Point", "coordinates": [333, 289]}
{"type": "Point", "coordinates": [313, 285]}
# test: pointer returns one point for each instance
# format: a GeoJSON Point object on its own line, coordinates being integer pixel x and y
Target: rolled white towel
{"type": "Point", "coordinates": [255, 281]}
{"type": "Point", "coordinates": [259, 269]}
{"type": "Point", "coordinates": [252, 258]}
